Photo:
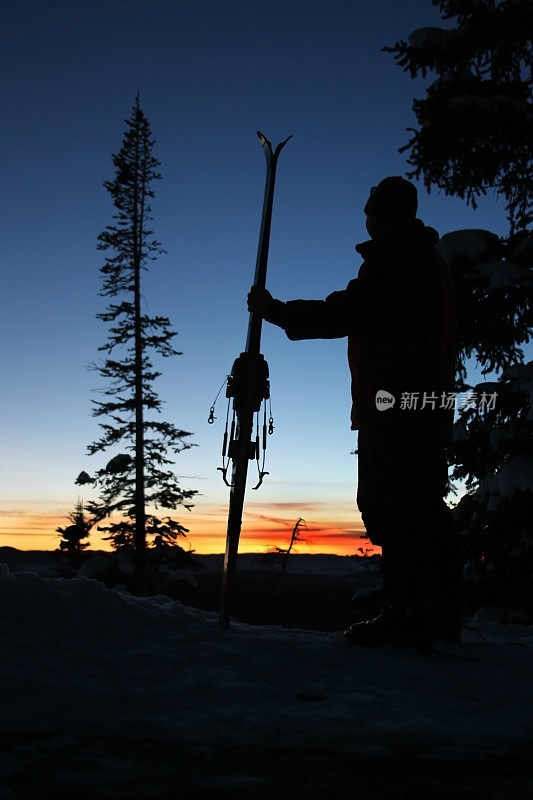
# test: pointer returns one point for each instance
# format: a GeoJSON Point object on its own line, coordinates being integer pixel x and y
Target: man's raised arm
{"type": "Point", "coordinates": [331, 318]}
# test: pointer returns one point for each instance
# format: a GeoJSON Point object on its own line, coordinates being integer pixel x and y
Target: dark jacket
{"type": "Point", "coordinates": [398, 317]}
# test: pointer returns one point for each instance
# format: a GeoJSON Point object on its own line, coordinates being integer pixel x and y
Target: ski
{"type": "Point", "coordinates": [248, 385]}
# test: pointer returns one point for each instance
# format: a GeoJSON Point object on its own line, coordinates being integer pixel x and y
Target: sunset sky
{"type": "Point", "coordinates": [209, 74]}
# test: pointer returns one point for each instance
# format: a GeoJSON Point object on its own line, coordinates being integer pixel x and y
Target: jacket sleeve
{"type": "Point", "coordinates": [335, 317]}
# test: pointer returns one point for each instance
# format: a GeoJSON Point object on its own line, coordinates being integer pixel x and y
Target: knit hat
{"type": "Point", "coordinates": [393, 197]}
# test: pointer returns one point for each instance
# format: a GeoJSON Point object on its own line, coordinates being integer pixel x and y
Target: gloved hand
{"type": "Point", "coordinates": [260, 301]}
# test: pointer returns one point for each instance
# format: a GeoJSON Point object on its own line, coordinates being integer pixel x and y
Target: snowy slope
{"type": "Point", "coordinates": [85, 664]}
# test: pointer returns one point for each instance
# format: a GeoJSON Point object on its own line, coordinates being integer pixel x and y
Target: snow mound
{"type": "Point", "coordinates": [522, 375]}
{"type": "Point", "coordinates": [515, 476]}
{"type": "Point", "coordinates": [95, 565]}
{"type": "Point", "coordinates": [84, 658]}
{"type": "Point", "coordinates": [365, 591]}
{"type": "Point", "coordinates": [523, 252]}
{"type": "Point", "coordinates": [468, 243]}
{"type": "Point", "coordinates": [502, 273]}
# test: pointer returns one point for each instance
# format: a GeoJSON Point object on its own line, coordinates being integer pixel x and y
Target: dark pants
{"type": "Point", "coordinates": [402, 483]}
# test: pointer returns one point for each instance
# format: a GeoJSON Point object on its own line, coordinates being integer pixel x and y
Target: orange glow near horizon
{"type": "Point", "coordinates": [25, 529]}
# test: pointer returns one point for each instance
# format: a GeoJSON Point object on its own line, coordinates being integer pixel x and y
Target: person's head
{"type": "Point", "coordinates": [391, 207]}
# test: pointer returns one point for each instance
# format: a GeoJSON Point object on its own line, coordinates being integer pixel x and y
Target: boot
{"type": "Point", "coordinates": [393, 627]}
{"type": "Point", "coordinates": [445, 569]}
{"type": "Point", "coordinates": [405, 620]}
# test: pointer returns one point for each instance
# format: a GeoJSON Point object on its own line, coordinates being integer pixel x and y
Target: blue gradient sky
{"type": "Point", "coordinates": [209, 74]}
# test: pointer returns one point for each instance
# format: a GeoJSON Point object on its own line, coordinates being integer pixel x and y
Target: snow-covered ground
{"type": "Point", "coordinates": [109, 695]}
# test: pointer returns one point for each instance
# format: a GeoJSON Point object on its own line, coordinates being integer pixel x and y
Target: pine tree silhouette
{"type": "Point", "coordinates": [132, 481]}
{"type": "Point", "coordinates": [474, 135]}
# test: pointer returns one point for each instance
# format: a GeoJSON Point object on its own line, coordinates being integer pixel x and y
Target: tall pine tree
{"type": "Point", "coordinates": [474, 135]}
{"type": "Point", "coordinates": [475, 121]}
{"type": "Point", "coordinates": [131, 483]}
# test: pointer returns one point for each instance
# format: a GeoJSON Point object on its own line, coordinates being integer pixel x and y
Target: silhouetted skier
{"type": "Point", "coordinates": [398, 317]}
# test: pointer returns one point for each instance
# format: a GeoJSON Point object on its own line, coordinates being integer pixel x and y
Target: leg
{"type": "Point", "coordinates": [445, 575]}
{"type": "Point", "coordinates": [386, 506]}
{"type": "Point", "coordinates": [402, 479]}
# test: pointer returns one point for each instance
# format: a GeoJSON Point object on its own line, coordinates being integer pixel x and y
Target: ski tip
{"type": "Point", "coordinates": [267, 146]}
{"type": "Point", "coordinates": [281, 145]}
